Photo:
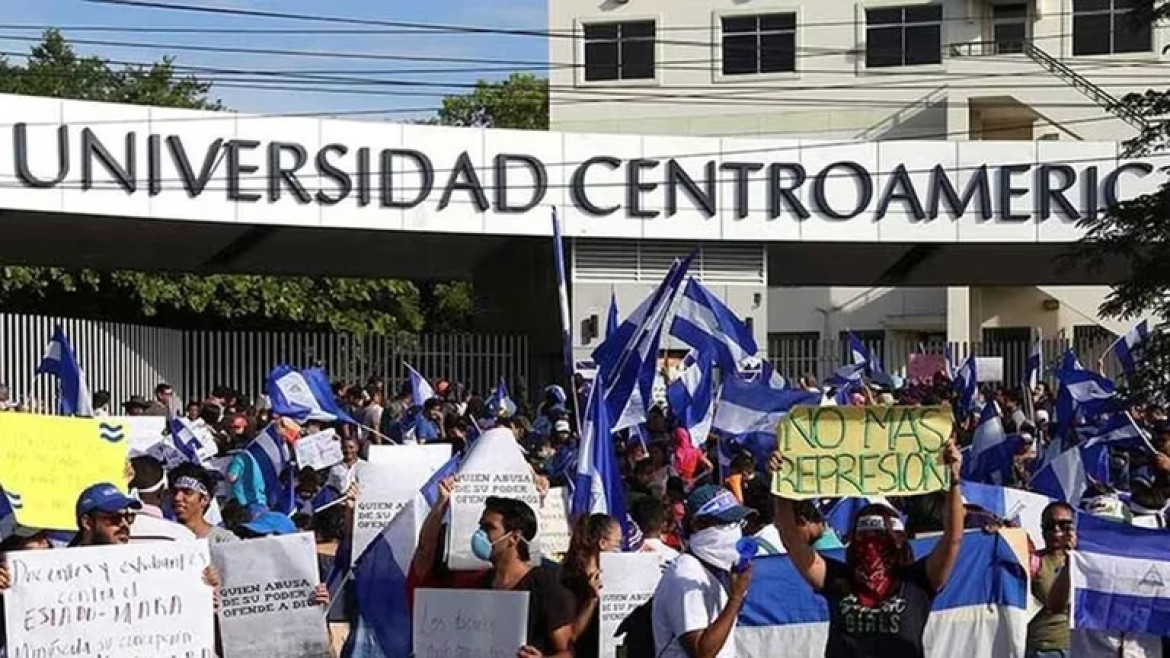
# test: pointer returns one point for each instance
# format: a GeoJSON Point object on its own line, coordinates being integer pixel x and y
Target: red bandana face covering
{"type": "Point", "coordinates": [873, 558]}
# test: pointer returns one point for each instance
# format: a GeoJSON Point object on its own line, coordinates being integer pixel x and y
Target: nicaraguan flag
{"type": "Point", "coordinates": [1034, 365]}
{"type": "Point", "coordinates": [274, 458]}
{"type": "Point", "coordinates": [1066, 476]}
{"type": "Point", "coordinates": [1127, 347]}
{"type": "Point", "coordinates": [949, 360]}
{"type": "Point", "coordinates": [562, 294]}
{"type": "Point", "coordinates": [185, 440]}
{"type": "Point", "coordinates": [303, 396]}
{"type": "Point", "coordinates": [1120, 578]}
{"type": "Point", "coordinates": [500, 405]}
{"type": "Point", "coordinates": [1010, 504]}
{"type": "Point", "coordinates": [611, 320]}
{"type": "Point", "coordinates": [383, 625]}
{"type": "Point", "coordinates": [703, 321]}
{"type": "Point", "coordinates": [61, 362]}
{"type": "Point", "coordinates": [420, 388]}
{"type": "Point", "coordinates": [692, 395]}
{"type": "Point", "coordinates": [863, 357]}
{"type": "Point", "coordinates": [597, 485]}
{"type": "Point", "coordinates": [628, 360]}
{"type": "Point", "coordinates": [748, 412]}
{"type": "Point", "coordinates": [981, 611]}
{"type": "Point", "coordinates": [992, 450]}
{"type": "Point", "coordinates": [1120, 432]}
{"type": "Point", "coordinates": [966, 381]}
{"type": "Point", "coordinates": [1082, 393]}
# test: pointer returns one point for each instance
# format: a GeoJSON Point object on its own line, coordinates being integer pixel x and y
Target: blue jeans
{"type": "Point", "coordinates": [1054, 653]}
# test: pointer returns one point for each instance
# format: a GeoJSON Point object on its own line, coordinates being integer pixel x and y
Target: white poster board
{"type": "Point", "coordinates": [554, 522]}
{"type": "Point", "coordinates": [627, 581]}
{"type": "Point", "coordinates": [494, 466]}
{"type": "Point", "coordinates": [267, 584]}
{"type": "Point", "coordinates": [318, 451]}
{"type": "Point", "coordinates": [384, 488]}
{"type": "Point", "coordinates": [142, 431]}
{"type": "Point", "coordinates": [469, 622]}
{"type": "Point", "coordinates": [129, 601]}
{"type": "Point", "coordinates": [426, 453]}
{"type": "Point", "coordinates": [989, 368]}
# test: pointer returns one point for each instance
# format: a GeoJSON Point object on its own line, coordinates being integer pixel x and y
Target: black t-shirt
{"type": "Point", "coordinates": [892, 629]}
{"type": "Point", "coordinates": [550, 604]}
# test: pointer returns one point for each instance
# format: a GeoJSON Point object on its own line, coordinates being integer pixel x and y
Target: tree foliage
{"type": "Point", "coordinates": [1136, 233]}
{"type": "Point", "coordinates": [520, 102]}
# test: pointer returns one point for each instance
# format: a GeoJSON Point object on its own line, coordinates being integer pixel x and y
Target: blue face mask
{"type": "Point", "coordinates": [481, 546]}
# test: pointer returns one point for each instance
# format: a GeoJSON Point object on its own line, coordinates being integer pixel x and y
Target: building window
{"type": "Point", "coordinates": [619, 51]}
{"type": "Point", "coordinates": [1106, 27]}
{"type": "Point", "coordinates": [765, 43]}
{"type": "Point", "coordinates": [795, 354]}
{"type": "Point", "coordinates": [903, 36]}
{"type": "Point", "coordinates": [1010, 27]}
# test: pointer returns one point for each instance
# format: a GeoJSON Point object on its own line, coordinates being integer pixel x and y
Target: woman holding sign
{"type": "Point", "coordinates": [878, 599]}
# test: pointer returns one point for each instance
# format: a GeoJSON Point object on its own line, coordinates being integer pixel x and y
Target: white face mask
{"type": "Point", "coordinates": [716, 546]}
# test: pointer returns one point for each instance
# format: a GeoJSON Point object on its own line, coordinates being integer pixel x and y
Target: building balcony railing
{"type": "Point", "coordinates": [986, 48]}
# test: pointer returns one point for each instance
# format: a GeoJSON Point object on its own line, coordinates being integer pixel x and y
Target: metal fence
{"type": "Point", "coordinates": [798, 355]}
{"type": "Point", "coordinates": [127, 359]}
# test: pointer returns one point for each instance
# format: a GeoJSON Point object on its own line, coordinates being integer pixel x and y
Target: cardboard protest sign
{"type": "Point", "coordinates": [469, 622]}
{"type": "Point", "coordinates": [384, 488]}
{"type": "Point", "coordinates": [923, 367]}
{"type": "Point", "coordinates": [493, 466]}
{"type": "Point", "coordinates": [267, 584]}
{"type": "Point", "coordinates": [627, 581]}
{"type": "Point", "coordinates": [129, 601]}
{"type": "Point", "coordinates": [990, 368]}
{"type": "Point", "coordinates": [862, 451]}
{"type": "Point", "coordinates": [384, 454]}
{"type": "Point", "coordinates": [318, 451]}
{"type": "Point", "coordinates": [47, 461]}
{"type": "Point", "coordinates": [554, 522]}
{"type": "Point", "coordinates": [141, 431]}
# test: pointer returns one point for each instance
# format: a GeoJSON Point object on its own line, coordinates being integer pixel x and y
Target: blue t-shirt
{"type": "Point", "coordinates": [247, 480]}
{"type": "Point", "coordinates": [425, 430]}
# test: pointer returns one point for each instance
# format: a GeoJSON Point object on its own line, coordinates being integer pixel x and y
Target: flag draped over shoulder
{"type": "Point", "coordinates": [981, 611]}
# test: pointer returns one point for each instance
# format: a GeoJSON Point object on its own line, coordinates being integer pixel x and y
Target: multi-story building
{"type": "Point", "coordinates": [1031, 71]}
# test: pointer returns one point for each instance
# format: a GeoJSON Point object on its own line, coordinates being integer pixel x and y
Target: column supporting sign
{"type": "Point", "coordinates": [862, 451]}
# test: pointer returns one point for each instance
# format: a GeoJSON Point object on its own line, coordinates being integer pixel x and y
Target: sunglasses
{"type": "Point", "coordinates": [118, 518]}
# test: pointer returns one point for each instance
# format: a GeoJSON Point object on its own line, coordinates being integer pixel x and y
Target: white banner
{"type": "Point", "coordinates": [554, 522]}
{"type": "Point", "coordinates": [426, 453]}
{"type": "Point", "coordinates": [129, 601]}
{"type": "Point", "coordinates": [318, 451]}
{"type": "Point", "coordinates": [469, 622]}
{"type": "Point", "coordinates": [627, 581]}
{"type": "Point", "coordinates": [142, 431]}
{"type": "Point", "coordinates": [268, 584]}
{"type": "Point", "coordinates": [384, 487]}
{"type": "Point", "coordinates": [494, 466]}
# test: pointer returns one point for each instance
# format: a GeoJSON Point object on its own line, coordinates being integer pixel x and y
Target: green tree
{"type": "Point", "coordinates": [54, 69]}
{"type": "Point", "coordinates": [1134, 237]}
{"type": "Point", "coordinates": [520, 102]}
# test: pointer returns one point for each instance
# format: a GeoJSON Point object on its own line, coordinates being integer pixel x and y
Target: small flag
{"type": "Point", "coordinates": [61, 362]}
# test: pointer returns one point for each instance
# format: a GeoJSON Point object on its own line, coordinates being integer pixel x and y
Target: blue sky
{"type": "Point", "coordinates": [73, 15]}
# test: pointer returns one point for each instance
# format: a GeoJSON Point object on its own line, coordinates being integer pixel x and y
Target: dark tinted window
{"type": "Point", "coordinates": [619, 51]}
{"type": "Point", "coordinates": [1103, 27]}
{"type": "Point", "coordinates": [903, 36]}
{"type": "Point", "coordinates": [764, 43]}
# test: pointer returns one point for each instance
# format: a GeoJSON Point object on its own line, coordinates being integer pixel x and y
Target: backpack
{"type": "Point", "coordinates": [638, 629]}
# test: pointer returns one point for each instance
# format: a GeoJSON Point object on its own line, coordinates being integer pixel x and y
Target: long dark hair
{"type": "Point", "coordinates": [584, 549]}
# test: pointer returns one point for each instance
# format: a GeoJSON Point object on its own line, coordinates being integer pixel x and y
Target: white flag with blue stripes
{"type": "Point", "coordinates": [702, 320]}
{"type": "Point", "coordinates": [692, 395]}
{"type": "Point", "coordinates": [60, 361]}
{"type": "Point", "coordinates": [1035, 365]}
{"type": "Point", "coordinates": [1120, 578]}
{"type": "Point", "coordinates": [1127, 348]}
{"type": "Point", "coordinates": [420, 388]}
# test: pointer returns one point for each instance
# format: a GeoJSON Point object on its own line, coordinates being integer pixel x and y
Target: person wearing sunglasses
{"type": "Point", "coordinates": [104, 516]}
{"type": "Point", "coordinates": [1048, 632]}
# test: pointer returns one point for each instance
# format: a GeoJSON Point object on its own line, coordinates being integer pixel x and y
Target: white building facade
{"type": "Point", "coordinates": [1041, 74]}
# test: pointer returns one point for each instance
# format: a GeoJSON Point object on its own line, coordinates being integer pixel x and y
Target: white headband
{"type": "Point", "coordinates": [157, 486]}
{"type": "Point", "coordinates": [188, 482]}
{"type": "Point", "coordinates": [877, 523]}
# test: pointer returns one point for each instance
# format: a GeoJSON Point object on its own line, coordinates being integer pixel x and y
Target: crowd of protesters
{"type": "Point", "coordinates": [691, 501]}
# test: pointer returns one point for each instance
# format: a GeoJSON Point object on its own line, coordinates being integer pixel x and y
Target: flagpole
{"type": "Point", "coordinates": [566, 329]}
{"type": "Point", "coordinates": [1108, 349]}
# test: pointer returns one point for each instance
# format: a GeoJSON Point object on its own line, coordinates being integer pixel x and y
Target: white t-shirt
{"type": "Point", "coordinates": [771, 535]}
{"type": "Point", "coordinates": [666, 554]}
{"type": "Point", "coordinates": [688, 598]}
{"type": "Point", "coordinates": [150, 529]}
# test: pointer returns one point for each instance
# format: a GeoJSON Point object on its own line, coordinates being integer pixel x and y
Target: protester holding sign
{"type": "Point", "coordinates": [878, 601]}
{"type": "Point", "coordinates": [192, 487]}
{"type": "Point", "coordinates": [593, 535]}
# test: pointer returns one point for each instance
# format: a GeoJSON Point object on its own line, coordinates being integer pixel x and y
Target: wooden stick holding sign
{"type": "Point", "coordinates": [862, 451]}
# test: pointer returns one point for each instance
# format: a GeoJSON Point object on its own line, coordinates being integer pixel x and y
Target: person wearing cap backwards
{"type": "Point", "coordinates": [192, 488]}
{"type": "Point", "coordinates": [878, 599]}
{"type": "Point", "coordinates": [695, 606]}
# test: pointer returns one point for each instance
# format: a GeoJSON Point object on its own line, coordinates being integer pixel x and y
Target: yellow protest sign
{"type": "Point", "coordinates": [862, 451]}
{"type": "Point", "coordinates": [47, 461]}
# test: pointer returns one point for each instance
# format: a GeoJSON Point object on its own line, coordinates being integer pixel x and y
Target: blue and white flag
{"type": "Point", "coordinates": [420, 388]}
{"type": "Point", "coordinates": [383, 627]}
{"type": "Point", "coordinates": [991, 453]}
{"type": "Point", "coordinates": [702, 321]}
{"type": "Point", "coordinates": [1066, 476]}
{"type": "Point", "coordinates": [1034, 365]}
{"type": "Point", "coordinates": [274, 458]}
{"type": "Point", "coordinates": [184, 439]}
{"type": "Point", "coordinates": [60, 361]}
{"type": "Point", "coordinates": [597, 485]}
{"type": "Point", "coordinates": [1082, 393]}
{"type": "Point", "coordinates": [611, 319]}
{"type": "Point", "coordinates": [1128, 347]}
{"type": "Point", "coordinates": [1010, 504]}
{"type": "Point", "coordinates": [1120, 578]}
{"type": "Point", "coordinates": [1120, 432]}
{"type": "Point", "coordinates": [966, 382]}
{"type": "Point", "coordinates": [981, 611]}
{"type": "Point", "coordinates": [563, 298]}
{"type": "Point", "coordinates": [303, 396]}
{"type": "Point", "coordinates": [861, 356]}
{"type": "Point", "coordinates": [748, 411]}
{"type": "Point", "coordinates": [949, 360]}
{"type": "Point", "coordinates": [500, 404]}
{"type": "Point", "coordinates": [628, 360]}
{"type": "Point", "coordinates": [692, 395]}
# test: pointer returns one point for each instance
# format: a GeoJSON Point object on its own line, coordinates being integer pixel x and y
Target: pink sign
{"type": "Point", "coordinates": [924, 367]}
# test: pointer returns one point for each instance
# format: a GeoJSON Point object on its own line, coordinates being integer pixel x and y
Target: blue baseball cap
{"type": "Point", "coordinates": [105, 497]}
{"type": "Point", "coordinates": [271, 523]}
{"type": "Point", "coordinates": [712, 501]}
